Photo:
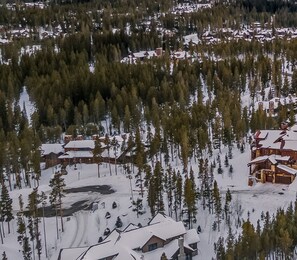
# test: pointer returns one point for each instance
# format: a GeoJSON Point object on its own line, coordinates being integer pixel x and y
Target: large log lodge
{"type": "Point", "coordinates": [274, 155]}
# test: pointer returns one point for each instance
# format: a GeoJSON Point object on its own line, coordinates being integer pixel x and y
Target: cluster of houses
{"type": "Point", "coordinates": [78, 150]}
{"type": "Point", "coordinates": [247, 34]}
{"type": "Point", "coordinates": [213, 37]}
{"type": "Point", "coordinates": [271, 106]}
{"type": "Point", "coordinates": [158, 52]}
{"type": "Point", "coordinates": [162, 237]}
{"type": "Point", "coordinates": [274, 155]}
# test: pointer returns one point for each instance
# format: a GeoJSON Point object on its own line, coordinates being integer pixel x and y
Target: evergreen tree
{"type": "Point", "coordinates": [21, 230]}
{"type": "Point", "coordinates": [57, 193]}
{"type": "Point", "coordinates": [119, 223]}
{"type": "Point", "coordinates": [231, 171]}
{"type": "Point", "coordinates": [217, 203]}
{"type": "Point", "coordinates": [140, 158]}
{"type": "Point", "coordinates": [4, 257]}
{"type": "Point", "coordinates": [97, 151]}
{"type": "Point", "coordinates": [34, 220]}
{"type": "Point", "coordinates": [138, 207]}
{"type": "Point", "coordinates": [163, 256]}
{"type": "Point", "coordinates": [115, 144]}
{"type": "Point", "coordinates": [220, 249]}
{"type": "Point", "coordinates": [190, 198]}
{"type": "Point", "coordinates": [158, 180]}
{"type": "Point", "coordinates": [178, 191]}
{"type": "Point", "coordinates": [107, 143]}
{"type": "Point", "coordinates": [228, 199]}
{"type": "Point", "coordinates": [230, 245]}
{"type": "Point", "coordinates": [169, 189]}
{"type": "Point", "coordinates": [226, 162]}
{"type": "Point", "coordinates": [6, 206]}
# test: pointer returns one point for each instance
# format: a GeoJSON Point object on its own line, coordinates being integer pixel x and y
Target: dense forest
{"type": "Point", "coordinates": [188, 108]}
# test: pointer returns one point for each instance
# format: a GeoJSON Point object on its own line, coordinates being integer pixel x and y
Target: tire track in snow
{"type": "Point", "coordinates": [81, 228]}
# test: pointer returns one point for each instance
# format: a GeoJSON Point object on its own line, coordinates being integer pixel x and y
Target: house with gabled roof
{"type": "Point", "coordinates": [274, 155]}
{"type": "Point", "coordinates": [161, 235]}
{"type": "Point", "coordinates": [115, 150]}
{"type": "Point", "coordinates": [50, 154]}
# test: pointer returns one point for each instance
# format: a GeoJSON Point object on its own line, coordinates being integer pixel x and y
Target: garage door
{"type": "Point", "coordinates": [283, 179]}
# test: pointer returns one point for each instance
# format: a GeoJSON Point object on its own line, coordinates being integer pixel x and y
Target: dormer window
{"type": "Point", "coordinates": [152, 247]}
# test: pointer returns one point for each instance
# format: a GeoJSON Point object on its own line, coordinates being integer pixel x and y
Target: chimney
{"type": "Point", "coordinates": [159, 52]}
{"type": "Point", "coordinates": [284, 126]}
{"type": "Point", "coordinates": [182, 255]}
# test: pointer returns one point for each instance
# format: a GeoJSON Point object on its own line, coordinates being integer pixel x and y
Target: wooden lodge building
{"type": "Point", "coordinates": [78, 150]}
{"type": "Point", "coordinates": [161, 235]}
{"type": "Point", "coordinates": [274, 156]}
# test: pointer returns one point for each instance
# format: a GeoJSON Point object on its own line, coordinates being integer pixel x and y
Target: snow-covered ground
{"type": "Point", "coordinates": [85, 227]}
{"type": "Point", "coordinates": [26, 104]}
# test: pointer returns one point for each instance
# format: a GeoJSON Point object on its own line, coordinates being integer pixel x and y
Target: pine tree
{"type": "Point", "coordinates": [6, 206]}
{"type": "Point", "coordinates": [190, 198]}
{"type": "Point", "coordinates": [178, 193]}
{"type": "Point", "coordinates": [30, 227]}
{"type": "Point", "coordinates": [231, 171]}
{"type": "Point", "coordinates": [217, 203]}
{"type": "Point", "coordinates": [21, 230]}
{"type": "Point", "coordinates": [97, 151]}
{"type": "Point", "coordinates": [140, 158]}
{"type": "Point", "coordinates": [220, 169]}
{"type": "Point", "coordinates": [119, 223]}
{"type": "Point", "coordinates": [151, 195]}
{"type": "Point", "coordinates": [57, 193]}
{"type": "Point", "coordinates": [184, 148]}
{"type": "Point", "coordinates": [228, 199]}
{"type": "Point", "coordinates": [138, 207]}
{"type": "Point", "coordinates": [230, 245]}
{"type": "Point", "coordinates": [107, 143]}
{"type": "Point", "coordinates": [163, 256]}
{"type": "Point", "coordinates": [220, 249]}
{"type": "Point", "coordinates": [33, 201]}
{"type": "Point", "coordinates": [4, 257]}
{"type": "Point", "coordinates": [169, 189]}
{"type": "Point", "coordinates": [158, 181]}
{"type": "Point", "coordinates": [250, 240]}
{"type": "Point", "coordinates": [226, 162]}
{"type": "Point", "coordinates": [116, 146]}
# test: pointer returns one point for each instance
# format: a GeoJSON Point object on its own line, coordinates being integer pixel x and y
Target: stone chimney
{"type": "Point", "coordinates": [182, 255]}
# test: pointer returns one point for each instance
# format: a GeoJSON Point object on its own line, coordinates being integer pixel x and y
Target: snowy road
{"type": "Point", "coordinates": [80, 237]}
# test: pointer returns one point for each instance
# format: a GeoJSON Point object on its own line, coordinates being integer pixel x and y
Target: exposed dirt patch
{"type": "Point", "coordinates": [103, 189]}
{"type": "Point", "coordinates": [79, 205]}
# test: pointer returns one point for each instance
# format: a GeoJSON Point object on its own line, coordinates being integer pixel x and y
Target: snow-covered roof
{"type": "Point", "coordinates": [79, 144]}
{"type": "Point", "coordinates": [191, 38]}
{"type": "Point", "coordinates": [272, 158]}
{"type": "Point", "coordinates": [277, 139]}
{"type": "Point", "coordinates": [191, 237]}
{"type": "Point", "coordinates": [76, 154]}
{"type": "Point", "coordinates": [287, 169]}
{"type": "Point", "coordinates": [51, 148]}
{"type": "Point", "coordinates": [145, 54]}
{"type": "Point", "coordinates": [127, 244]}
{"type": "Point", "coordinates": [71, 253]}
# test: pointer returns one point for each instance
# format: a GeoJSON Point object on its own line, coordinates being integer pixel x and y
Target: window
{"type": "Point", "coordinates": [152, 247]}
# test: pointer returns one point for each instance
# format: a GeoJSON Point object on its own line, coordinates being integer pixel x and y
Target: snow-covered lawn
{"type": "Point", "coordinates": [85, 227]}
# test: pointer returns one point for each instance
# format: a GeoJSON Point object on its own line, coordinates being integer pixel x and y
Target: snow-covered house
{"type": "Point", "coordinates": [161, 235]}
{"type": "Point", "coordinates": [115, 150]}
{"type": "Point", "coordinates": [274, 155]}
{"type": "Point", "coordinates": [78, 151]}
{"type": "Point", "coordinates": [50, 154]}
